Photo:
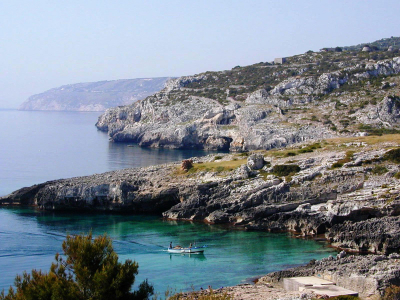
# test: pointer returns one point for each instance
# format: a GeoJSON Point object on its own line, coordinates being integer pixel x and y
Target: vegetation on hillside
{"type": "Point", "coordinates": [240, 81]}
{"type": "Point", "coordinates": [340, 107]}
{"type": "Point", "coordinates": [382, 44]}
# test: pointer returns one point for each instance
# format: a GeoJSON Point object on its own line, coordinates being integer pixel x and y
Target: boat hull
{"type": "Point", "coordinates": [186, 250]}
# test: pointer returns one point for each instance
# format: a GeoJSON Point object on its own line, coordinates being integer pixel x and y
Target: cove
{"type": "Point", "coordinates": [30, 238]}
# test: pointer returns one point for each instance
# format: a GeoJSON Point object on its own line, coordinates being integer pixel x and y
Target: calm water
{"type": "Point", "coordinates": [29, 239]}
{"type": "Point", "coordinates": [40, 146]}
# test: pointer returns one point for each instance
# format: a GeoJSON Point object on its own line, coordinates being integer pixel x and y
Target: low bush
{"type": "Point", "coordinates": [379, 170]}
{"type": "Point", "coordinates": [290, 154]}
{"type": "Point", "coordinates": [310, 148]}
{"type": "Point", "coordinates": [219, 169]}
{"type": "Point", "coordinates": [377, 131]}
{"type": "Point", "coordinates": [341, 162]}
{"type": "Point", "coordinates": [244, 154]}
{"type": "Point", "coordinates": [285, 170]}
{"type": "Point", "coordinates": [186, 164]}
{"type": "Point", "coordinates": [305, 150]}
{"type": "Point", "coordinates": [337, 165]}
{"type": "Point", "coordinates": [393, 155]}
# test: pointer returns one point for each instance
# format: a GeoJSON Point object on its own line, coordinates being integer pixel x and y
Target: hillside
{"type": "Point", "coordinates": [382, 44]}
{"type": "Point", "coordinates": [94, 96]}
{"type": "Point", "coordinates": [311, 96]}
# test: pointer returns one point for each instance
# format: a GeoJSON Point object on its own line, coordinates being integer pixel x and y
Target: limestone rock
{"type": "Point", "coordinates": [189, 114]}
{"type": "Point", "coordinates": [255, 161]}
{"type": "Point", "coordinates": [355, 212]}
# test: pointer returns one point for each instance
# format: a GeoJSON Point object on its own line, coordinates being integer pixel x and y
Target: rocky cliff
{"type": "Point", "coordinates": [315, 95]}
{"type": "Point", "coordinates": [346, 189]}
{"type": "Point", "coordinates": [94, 96]}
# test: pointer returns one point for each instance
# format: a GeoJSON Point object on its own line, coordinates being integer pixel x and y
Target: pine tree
{"type": "Point", "coordinates": [90, 270]}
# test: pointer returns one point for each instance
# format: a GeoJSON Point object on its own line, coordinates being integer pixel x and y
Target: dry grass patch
{"type": "Point", "coordinates": [370, 140]}
{"type": "Point", "coordinates": [214, 166]}
{"type": "Point", "coordinates": [218, 166]}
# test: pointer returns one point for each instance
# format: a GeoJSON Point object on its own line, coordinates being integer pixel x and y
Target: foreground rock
{"type": "Point", "coordinates": [356, 206]}
{"type": "Point", "coordinates": [368, 275]}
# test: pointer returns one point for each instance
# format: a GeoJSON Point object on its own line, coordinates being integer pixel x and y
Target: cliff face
{"type": "Point", "coordinates": [347, 190]}
{"type": "Point", "coordinates": [264, 106]}
{"type": "Point", "coordinates": [94, 96]}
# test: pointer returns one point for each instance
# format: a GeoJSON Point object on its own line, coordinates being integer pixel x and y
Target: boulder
{"type": "Point", "coordinates": [255, 161]}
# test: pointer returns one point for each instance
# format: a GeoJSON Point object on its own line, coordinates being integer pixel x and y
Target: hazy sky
{"type": "Point", "coordinates": [48, 43]}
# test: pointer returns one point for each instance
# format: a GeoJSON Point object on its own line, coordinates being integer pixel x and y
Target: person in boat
{"type": "Point", "coordinates": [190, 246]}
{"type": "Point", "coordinates": [170, 245]}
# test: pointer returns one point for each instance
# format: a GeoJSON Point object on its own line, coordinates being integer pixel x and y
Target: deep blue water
{"type": "Point", "coordinates": [40, 146]}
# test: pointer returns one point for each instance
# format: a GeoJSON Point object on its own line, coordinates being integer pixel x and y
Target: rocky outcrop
{"type": "Point", "coordinates": [198, 111]}
{"type": "Point", "coordinates": [357, 209]}
{"type": "Point", "coordinates": [368, 275]}
{"type": "Point", "coordinates": [377, 235]}
{"type": "Point", "coordinates": [94, 96]}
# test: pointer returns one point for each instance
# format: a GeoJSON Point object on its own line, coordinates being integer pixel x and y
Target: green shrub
{"type": "Point", "coordinates": [393, 155]}
{"type": "Point", "coordinates": [379, 170]}
{"type": "Point", "coordinates": [186, 164]}
{"type": "Point", "coordinates": [337, 165]}
{"type": "Point", "coordinates": [309, 148]}
{"type": "Point", "coordinates": [349, 155]}
{"type": "Point", "coordinates": [217, 157]}
{"type": "Point", "coordinates": [285, 170]}
{"type": "Point", "coordinates": [305, 150]}
{"type": "Point", "coordinates": [341, 162]}
{"type": "Point", "coordinates": [290, 154]}
{"type": "Point", "coordinates": [244, 154]}
{"type": "Point", "coordinates": [219, 169]}
{"type": "Point", "coordinates": [377, 131]}
{"type": "Point", "coordinates": [397, 175]}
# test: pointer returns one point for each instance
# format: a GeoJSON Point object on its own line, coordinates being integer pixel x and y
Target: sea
{"type": "Point", "coordinates": [37, 146]}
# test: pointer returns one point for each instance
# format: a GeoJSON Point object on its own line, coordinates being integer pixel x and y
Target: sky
{"type": "Point", "coordinates": [49, 43]}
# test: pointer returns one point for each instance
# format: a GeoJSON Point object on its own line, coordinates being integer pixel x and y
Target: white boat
{"type": "Point", "coordinates": [186, 250]}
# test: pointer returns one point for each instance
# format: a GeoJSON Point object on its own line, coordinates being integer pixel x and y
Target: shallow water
{"type": "Point", "coordinates": [29, 240]}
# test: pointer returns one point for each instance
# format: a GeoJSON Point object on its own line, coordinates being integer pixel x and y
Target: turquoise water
{"type": "Point", "coordinates": [29, 239]}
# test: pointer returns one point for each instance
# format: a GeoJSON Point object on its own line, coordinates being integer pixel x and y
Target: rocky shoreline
{"type": "Point", "coordinates": [370, 276]}
{"type": "Point", "coordinates": [347, 191]}
{"type": "Point", "coordinates": [356, 206]}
